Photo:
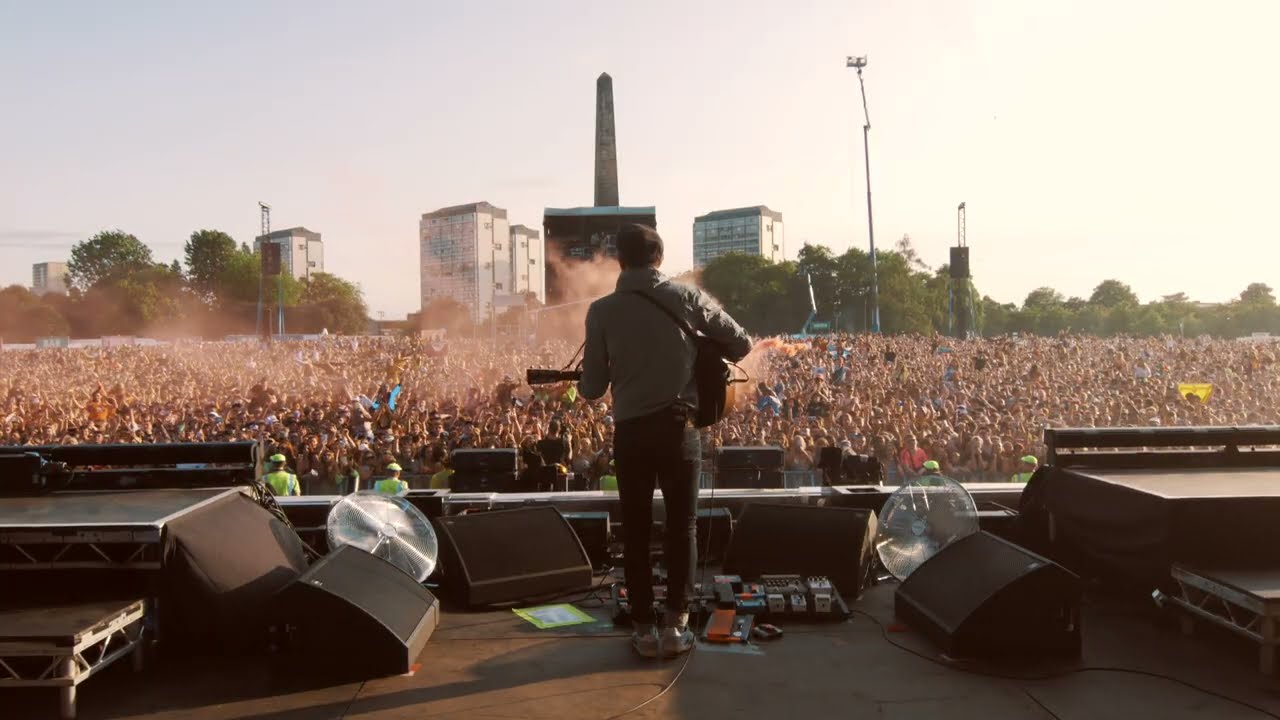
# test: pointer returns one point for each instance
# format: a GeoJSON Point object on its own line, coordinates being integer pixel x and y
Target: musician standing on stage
{"type": "Point", "coordinates": [639, 350]}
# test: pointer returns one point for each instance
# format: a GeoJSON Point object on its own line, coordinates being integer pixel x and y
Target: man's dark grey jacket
{"type": "Point", "coordinates": [642, 353]}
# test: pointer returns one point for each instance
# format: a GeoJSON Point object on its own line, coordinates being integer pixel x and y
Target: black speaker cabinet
{"type": "Point", "coordinates": [430, 502]}
{"type": "Point", "coordinates": [270, 259]}
{"type": "Point", "coordinates": [762, 457]}
{"type": "Point", "coordinates": [356, 616]}
{"type": "Point", "coordinates": [593, 531]}
{"type": "Point", "coordinates": [983, 596]}
{"type": "Point", "coordinates": [750, 478]}
{"type": "Point", "coordinates": [483, 481]}
{"type": "Point", "coordinates": [804, 540]}
{"type": "Point", "coordinates": [510, 555]}
{"type": "Point", "coordinates": [959, 263]}
{"type": "Point", "coordinates": [485, 459]}
{"type": "Point", "coordinates": [715, 532]}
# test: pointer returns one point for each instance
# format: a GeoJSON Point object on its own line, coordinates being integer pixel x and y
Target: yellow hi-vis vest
{"type": "Point", "coordinates": [281, 482]}
{"type": "Point", "coordinates": [1021, 477]}
{"type": "Point", "coordinates": [609, 483]}
{"type": "Point", "coordinates": [391, 486]}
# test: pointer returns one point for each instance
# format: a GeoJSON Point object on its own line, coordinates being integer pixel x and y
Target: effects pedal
{"type": "Point", "coordinates": [777, 603]}
{"type": "Point", "coordinates": [720, 626]}
{"type": "Point", "coordinates": [799, 603]}
{"type": "Point", "coordinates": [751, 599]}
{"type": "Point", "coordinates": [819, 584]}
{"type": "Point", "coordinates": [822, 603]}
{"type": "Point", "coordinates": [783, 584]}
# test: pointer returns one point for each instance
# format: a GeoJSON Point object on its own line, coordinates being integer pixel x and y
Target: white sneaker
{"type": "Point", "coordinates": [645, 641]}
{"type": "Point", "coordinates": [676, 641]}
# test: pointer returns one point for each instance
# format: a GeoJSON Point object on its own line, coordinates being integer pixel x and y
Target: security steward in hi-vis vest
{"type": "Point", "coordinates": [1026, 468]}
{"type": "Point", "coordinates": [278, 480]}
{"type": "Point", "coordinates": [609, 481]}
{"type": "Point", "coordinates": [392, 485]}
{"type": "Point", "coordinates": [931, 475]}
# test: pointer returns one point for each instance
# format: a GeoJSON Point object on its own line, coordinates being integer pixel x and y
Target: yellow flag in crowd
{"type": "Point", "coordinates": [1200, 390]}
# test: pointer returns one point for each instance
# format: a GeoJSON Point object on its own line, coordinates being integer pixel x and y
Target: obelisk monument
{"type": "Point", "coordinates": [606, 144]}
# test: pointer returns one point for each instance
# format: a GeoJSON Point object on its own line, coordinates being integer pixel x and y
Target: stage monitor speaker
{"type": "Point", "coordinates": [270, 259]}
{"type": "Point", "coordinates": [430, 502]}
{"type": "Point", "coordinates": [831, 459]}
{"type": "Point", "coordinates": [483, 481]}
{"type": "Point", "coordinates": [494, 460]}
{"type": "Point", "coordinates": [763, 457]}
{"type": "Point", "coordinates": [505, 556]}
{"type": "Point", "coordinates": [739, 478]}
{"type": "Point", "coordinates": [798, 539]}
{"type": "Point", "coordinates": [959, 263]}
{"type": "Point", "coordinates": [715, 532]}
{"type": "Point", "coordinates": [593, 531]}
{"type": "Point", "coordinates": [983, 596]}
{"type": "Point", "coordinates": [354, 615]}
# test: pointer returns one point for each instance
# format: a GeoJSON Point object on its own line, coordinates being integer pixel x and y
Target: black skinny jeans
{"type": "Point", "coordinates": [659, 450]}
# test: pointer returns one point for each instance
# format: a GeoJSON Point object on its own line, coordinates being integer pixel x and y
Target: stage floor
{"type": "Point", "coordinates": [493, 665]}
{"type": "Point", "coordinates": [1207, 483]}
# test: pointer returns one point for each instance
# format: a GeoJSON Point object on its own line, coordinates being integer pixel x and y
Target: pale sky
{"type": "Point", "coordinates": [1136, 140]}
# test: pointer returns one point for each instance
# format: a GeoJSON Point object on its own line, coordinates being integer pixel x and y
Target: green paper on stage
{"type": "Point", "coordinates": [545, 617]}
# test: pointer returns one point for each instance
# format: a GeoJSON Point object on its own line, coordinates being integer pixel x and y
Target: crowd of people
{"type": "Point", "coordinates": [342, 409]}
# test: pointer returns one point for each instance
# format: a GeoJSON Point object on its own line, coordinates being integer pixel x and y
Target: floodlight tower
{"type": "Point", "coordinates": [858, 63]}
{"type": "Point", "coordinates": [265, 212]}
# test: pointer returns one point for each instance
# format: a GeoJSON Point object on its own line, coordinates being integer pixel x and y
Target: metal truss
{"type": "Point", "coordinates": [1243, 613]}
{"type": "Point", "coordinates": [44, 663]}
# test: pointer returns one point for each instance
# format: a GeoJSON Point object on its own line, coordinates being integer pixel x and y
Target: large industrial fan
{"type": "Point", "coordinates": [388, 527]}
{"type": "Point", "coordinates": [921, 518]}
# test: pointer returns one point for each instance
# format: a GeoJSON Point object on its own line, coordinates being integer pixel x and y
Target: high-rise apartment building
{"type": "Point", "coordinates": [750, 230]}
{"type": "Point", "coordinates": [528, 262]}
{"type": "Point", "coordinates": [49, 277]}
{"type": "Point", "coordinates": [301, 251]}
{"type": "Point", "coordinates": [465, 254]}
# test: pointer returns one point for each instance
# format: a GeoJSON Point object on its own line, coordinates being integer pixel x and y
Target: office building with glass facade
{"type": "Point", "coordinates": [751, 230]}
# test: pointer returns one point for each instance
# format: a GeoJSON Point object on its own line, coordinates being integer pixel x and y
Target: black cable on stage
{"type": "Point", "coordinates": [667, 688]}
{"type": "Point", "coordinates": [1039, 704]}
{"type": "Point", "coordinates": [884, 632]}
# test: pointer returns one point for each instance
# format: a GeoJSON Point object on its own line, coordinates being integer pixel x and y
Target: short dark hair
{"type": "Point", "coordinates": [639, 246]}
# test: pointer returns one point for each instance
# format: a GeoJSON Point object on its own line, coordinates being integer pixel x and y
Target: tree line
{"type": "Point", "coordinates": [117, 288]}
{"type": "Point", "coordinates": [773, 298]}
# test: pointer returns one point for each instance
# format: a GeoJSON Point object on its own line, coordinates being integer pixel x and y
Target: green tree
{"type": "Point", "coordinates": [111, 253]}
{"type": "Point", "coordinates": [1258, 294]}
{"type": "Point", "coordinates": [1111, 294]}
{"type": "Point", "coordinates": [25, 316]}
{"type": "Point", "coordinates": [236, 301]}
{"type": "Point", "coordinates": [207, 254]}
{"type": "Point", "coordinates": [817, 262]}
{"type": "Point", "coordinates": [445, 313]}
{"type": "Point", "coordinates": [329, 302]}
{"type": "Point", "coordinates": [1042, 298]}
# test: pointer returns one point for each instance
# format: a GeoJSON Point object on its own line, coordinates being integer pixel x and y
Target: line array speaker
{"type": "Point", "coordinates": [960, 263]}
{"type": "Point", "coordinates": [270, 259]}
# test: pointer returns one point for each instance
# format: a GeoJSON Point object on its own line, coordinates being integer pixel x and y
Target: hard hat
{"type": "Point", "coordinates": [393, 467]}
{"type": "Point", "coordinates": [931, 465]}
{"type": "Point", "coordinates": [277, 458]}
{"type": "Point", "coordinates": [1029, 459]}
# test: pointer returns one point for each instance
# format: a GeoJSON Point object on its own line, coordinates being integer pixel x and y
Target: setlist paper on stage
{"type": "Point", "coordinates": [545, 617]}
